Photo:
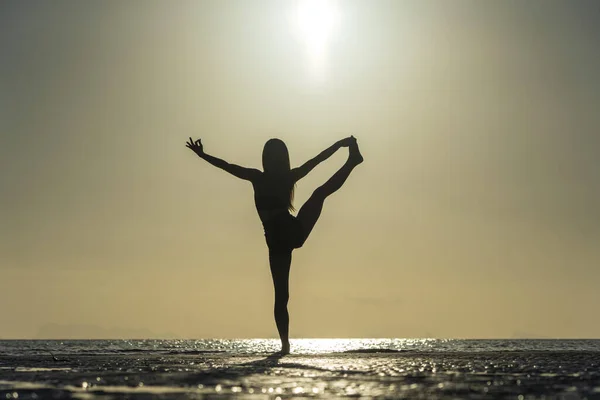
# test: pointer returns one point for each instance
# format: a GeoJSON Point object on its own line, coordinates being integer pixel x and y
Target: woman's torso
{"type": "Point", "coordinates": [272, 195]}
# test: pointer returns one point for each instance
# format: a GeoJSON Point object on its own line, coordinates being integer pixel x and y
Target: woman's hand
{"type": "Point", "coordinates": [195, 146]}
{"type": "Point", "coordinates": [346, 142]}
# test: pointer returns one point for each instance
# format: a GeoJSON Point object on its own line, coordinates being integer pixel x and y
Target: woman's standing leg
{"type": "Point", "coordinates": [280, 263]}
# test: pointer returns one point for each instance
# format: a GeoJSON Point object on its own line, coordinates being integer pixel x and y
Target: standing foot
{"type": "Point", "coordinates": [355, 157]}
{"type": "Point", "coordinates": [285, 348]}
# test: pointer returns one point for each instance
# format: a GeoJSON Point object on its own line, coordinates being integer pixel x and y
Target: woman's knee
{"type": "Point", "coordinates": [281, 300]}
{"type": "Point", "coordinates": [319, 194]}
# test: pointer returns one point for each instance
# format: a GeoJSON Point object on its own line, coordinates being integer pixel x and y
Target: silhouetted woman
{"type": "Point", "coordinates": [273, 196]}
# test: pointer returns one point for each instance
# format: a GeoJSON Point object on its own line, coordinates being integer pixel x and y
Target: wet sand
{"type": "Point", "coordinates": [407, 375]}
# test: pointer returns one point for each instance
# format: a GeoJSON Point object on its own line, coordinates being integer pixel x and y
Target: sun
{"type": "Point", "coordinates": [316, 21]}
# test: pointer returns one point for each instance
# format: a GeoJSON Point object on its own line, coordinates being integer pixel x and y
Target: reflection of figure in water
{"type": "Point", "coordinates": [273, 195]}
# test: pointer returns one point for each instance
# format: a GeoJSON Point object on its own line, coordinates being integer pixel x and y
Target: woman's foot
{"type": "Point", "coordinates": [355, 157]}
{"type": "Point", "coordinates": [285, 348]}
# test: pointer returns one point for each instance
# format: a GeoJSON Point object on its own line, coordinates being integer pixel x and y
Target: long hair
{"type": "Point", "coordinates": [276, 161]}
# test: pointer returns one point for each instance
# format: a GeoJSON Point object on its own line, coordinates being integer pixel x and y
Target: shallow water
{"type": "Point", "coordinates": [299, 346]}
{"type": "Point", "coordinates": [351, 367]}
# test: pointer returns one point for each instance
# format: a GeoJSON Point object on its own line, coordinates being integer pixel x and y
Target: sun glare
{"type": "Point", "coordinates": [316, 21]}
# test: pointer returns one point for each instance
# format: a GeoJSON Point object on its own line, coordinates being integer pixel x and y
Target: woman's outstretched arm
{"type": "Point", "coordinates": [247, 174]}
{"type": "Point", "coordinates": [301, 171]}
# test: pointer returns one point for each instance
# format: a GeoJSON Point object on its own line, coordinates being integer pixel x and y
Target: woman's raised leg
{"type": "Point", "coordinates": [311, 210]}
{"type": "Point", "coordinates": [280, 263]}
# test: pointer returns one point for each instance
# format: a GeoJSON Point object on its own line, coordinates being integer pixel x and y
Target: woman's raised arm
{"type": "Point", "coordinates": [301, 171]}
{"type": "Point", "coordinates": [248, 174]}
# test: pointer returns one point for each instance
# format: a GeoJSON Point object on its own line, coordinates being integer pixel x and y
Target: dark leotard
{"type": "Point", "coordinates": [283, 231]}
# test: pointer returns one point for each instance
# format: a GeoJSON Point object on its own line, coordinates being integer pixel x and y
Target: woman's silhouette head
{"type": "Point", "coordinates": [275, 157]}
{"type": "Point", "coordinates": [276, 161]}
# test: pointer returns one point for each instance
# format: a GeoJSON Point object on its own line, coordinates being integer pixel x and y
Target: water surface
{"type": "Point", "coordinates": [320, 368]}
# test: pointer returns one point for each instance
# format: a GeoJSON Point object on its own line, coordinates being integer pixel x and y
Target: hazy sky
{"type": "Point", "coordinates": [475, 213]}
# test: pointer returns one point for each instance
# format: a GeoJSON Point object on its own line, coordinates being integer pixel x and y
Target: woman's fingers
{"type": "Point", "coordinates": [193, 144]}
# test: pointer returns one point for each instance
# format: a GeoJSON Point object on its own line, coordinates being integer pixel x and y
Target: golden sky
{"type": "Point", "coordinates": [475, 213]}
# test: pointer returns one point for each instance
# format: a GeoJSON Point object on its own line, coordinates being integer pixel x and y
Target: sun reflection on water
{"type": "Point", "coordinates": [319, 346]}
